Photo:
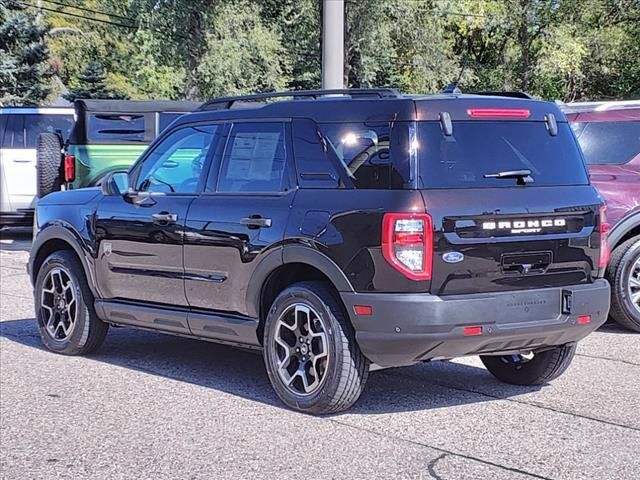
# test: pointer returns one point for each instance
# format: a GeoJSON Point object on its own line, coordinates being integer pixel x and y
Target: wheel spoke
{"type": "Point", "coordinates": [58, 302]}
{"type": "Point", "coordinates": [301, 349]}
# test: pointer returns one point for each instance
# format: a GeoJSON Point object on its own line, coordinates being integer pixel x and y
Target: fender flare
{"type": "Point", "coordinates": [623, 227]}
{"type": "Point", "coordinates": [65, 232]}
{"type": "Point", "coordinates": [292, 254]}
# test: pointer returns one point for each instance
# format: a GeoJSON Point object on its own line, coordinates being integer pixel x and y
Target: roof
{"type": "Point", "coordinates": [136, 106]}
{"type": "Point", "coordinates": [577, 107]}
{"type": "Point", "coordinates": [370, 105]}
{"type": "Point", "coordinates": [36, 110]}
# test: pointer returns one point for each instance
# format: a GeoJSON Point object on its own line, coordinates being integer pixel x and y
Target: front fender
{"type": "Point", "coordinates": [65, 232]}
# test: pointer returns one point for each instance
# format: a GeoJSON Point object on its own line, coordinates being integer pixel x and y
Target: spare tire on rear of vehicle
{"type": "Point", "coordinates": [49, 163]}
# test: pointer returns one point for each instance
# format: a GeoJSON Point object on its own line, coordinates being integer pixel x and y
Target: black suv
{"type": "Point", "coordinates": [335, 229]}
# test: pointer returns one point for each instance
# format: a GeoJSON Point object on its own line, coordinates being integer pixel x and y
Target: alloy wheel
{"type": "Point", "coordinates": [301, 349]}
{"type": "Point", "coordinates": [634, 285]}
{"type": "Point", "coordinates": [58, 304]}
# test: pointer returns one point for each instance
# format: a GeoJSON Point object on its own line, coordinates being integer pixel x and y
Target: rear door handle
{"type": "Point", "coordinates": [164, 218]}
{"type": "Point", "coordinates": [256, 221]}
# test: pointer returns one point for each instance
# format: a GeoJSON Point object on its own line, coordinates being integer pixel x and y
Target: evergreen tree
{"type": "Point", "coordinates": [25, 73]}
{"type": "Point", "coordinates": [92, 83]}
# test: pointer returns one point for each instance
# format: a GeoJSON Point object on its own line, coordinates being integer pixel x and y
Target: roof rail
{"type": "Point", "coordinates": [512, 94]}
{"type": "Point", "coordinates": [223, 103]}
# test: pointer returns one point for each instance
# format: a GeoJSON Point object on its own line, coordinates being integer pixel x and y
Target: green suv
{"type": "Point", "coordinates": [108, 135]}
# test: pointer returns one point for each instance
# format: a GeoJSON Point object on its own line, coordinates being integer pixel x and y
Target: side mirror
{"type": "Point", "coordinates": [115, 183]}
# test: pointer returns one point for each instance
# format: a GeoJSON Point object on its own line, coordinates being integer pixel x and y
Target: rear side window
{"type": "Point", "coordinates": [608, 142]}
{"type": "Point", "coordinates": [117, 127]}
{"type": "Point", "coordinates": [254, 159]}
{"type": "Point", "coordinates": [37, 124]}
{"type": "Point", "coordinates": [477, 148]}
{"type": "Point", "coordinates": [369, 155]}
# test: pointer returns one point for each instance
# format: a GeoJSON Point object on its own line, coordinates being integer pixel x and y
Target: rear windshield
{"type": "Point", "coordinates": [117, 127]}
{"type": "Point", "coordinates": [479, 148]}
{"type": "Point", "coordinates": [608, 142]}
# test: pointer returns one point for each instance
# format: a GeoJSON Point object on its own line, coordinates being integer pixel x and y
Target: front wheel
{"type": "Point", "coordinates": [535, 368]}
{"type": "Point", "coordinates": [312, 358]}
{"type": "Point", "coordinates": [65, 316]}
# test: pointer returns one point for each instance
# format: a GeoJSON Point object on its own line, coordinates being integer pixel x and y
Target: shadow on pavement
{"type": "Point", "coordinates": [612, 327]}
{"type": "Point", "coordinates": [15, 239]}
{"type": "Point", "coordinates": [242, 373]}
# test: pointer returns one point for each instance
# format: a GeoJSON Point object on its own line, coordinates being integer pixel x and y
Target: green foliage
{"type": "Point", "coordinates": [242, 55]}
{"type": "Point", "coordinates": [92, 83]}
{"type": "Point", "coordinates": [25, 75]}
{"type": "Point", "coordinates": [196, 49]}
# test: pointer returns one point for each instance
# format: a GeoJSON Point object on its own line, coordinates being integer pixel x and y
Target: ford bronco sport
{"type": "Point", "coordinates": [336, 229]}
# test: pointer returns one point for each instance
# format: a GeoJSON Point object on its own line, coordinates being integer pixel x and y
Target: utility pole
{"type": "Point", "coordinates": [333, 44]}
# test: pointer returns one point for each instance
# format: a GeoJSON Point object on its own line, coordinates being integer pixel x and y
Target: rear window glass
{"type": "Point", "coordinates": [608, 142]}
{"type": "Point", "coordinates": [117, 127]}
{"type": "Point", "coordinates": [37, 124]}
{"type": "Point", "coordinates": [479, 148]}
{"type": "Point", "coordinates": [369, 155]}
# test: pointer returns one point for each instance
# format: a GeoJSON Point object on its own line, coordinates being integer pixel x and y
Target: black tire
{"type": "Point", "coordinates": [623, 259]}
{"type": "Point", "coordinates": [542, 368]}
{"type": "Point", "coordinates": [89, 331]}
{"type": "Point", "coordinates": [346, 369]}
{"type": "Point", "coordinates": [49, 163]}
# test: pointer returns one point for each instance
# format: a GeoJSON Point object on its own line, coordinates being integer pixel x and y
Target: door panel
{"type": "Point", "coordinates": [139, 256]}
{"type": "Point", "coordinates": [140, 251]}
{"type": "Point", "coordinates": [222, 251]}
{"type": "Point", "coordinates": [231, 229]}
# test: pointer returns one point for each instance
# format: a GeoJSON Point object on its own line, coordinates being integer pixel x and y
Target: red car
{"type": "Point", "coordinates": [609, 135]}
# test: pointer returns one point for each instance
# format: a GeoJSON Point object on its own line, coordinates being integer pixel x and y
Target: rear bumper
{"type": "Point", "coordinates": [408, 328]}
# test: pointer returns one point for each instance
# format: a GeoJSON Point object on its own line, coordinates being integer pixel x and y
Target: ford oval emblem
{"type": "Point", "coordinates": [453, 257]}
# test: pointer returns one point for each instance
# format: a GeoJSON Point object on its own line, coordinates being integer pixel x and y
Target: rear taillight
{"type": "Point", "coordinates": [605, 253]}
{"type": "Point", "coordinates": [69, 168]}
{"type": "Point", "coordinates": [407, 243]}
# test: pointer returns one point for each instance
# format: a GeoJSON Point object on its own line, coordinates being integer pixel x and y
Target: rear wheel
{"type": "Point", "coordinates": [48, 163]}
{"type": "Point", "coordinates": [66, 319]}
{"type": "Point", "coordinates": [624, 275]}
{"type": "Point", "coordinates": [536, 368]}
{"type": "Point", "coordinates": [310, 351]}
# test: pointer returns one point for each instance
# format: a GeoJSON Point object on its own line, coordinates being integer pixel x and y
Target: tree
{"type": "Point", "coordinates": [92, 84]}
{"type": "Point", "coordinates": [242, 54]}
{"type": "Point", "coordinates": [25, 73]}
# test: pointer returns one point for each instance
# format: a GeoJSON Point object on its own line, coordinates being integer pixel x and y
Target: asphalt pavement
{"type": "Point", "coordinates": [154, 406]}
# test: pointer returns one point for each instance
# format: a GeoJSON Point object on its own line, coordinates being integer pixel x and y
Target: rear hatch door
{"type": "Point", "coordinates": [500, 231]}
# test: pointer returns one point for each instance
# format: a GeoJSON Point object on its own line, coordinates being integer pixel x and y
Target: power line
{"type": "Point", "coordinates": [90, 19]}
{"type": "Point", "coordinates": [84, 9]}
{"type": "Point", "coordinates": [76, 15]}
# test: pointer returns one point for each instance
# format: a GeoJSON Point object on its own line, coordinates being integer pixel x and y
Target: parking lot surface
{"type": "Point", "coordinates": [149, 405]}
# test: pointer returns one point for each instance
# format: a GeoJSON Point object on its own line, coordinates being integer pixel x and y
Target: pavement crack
{"type": "Point", "coordinates": [441, 450]}
{"type": "Point", "coordinates": [521, 402]}
{"type": "Point", "coordinates": [626, 362]}
{"type": "Point", "coordinates": [431, 468]}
